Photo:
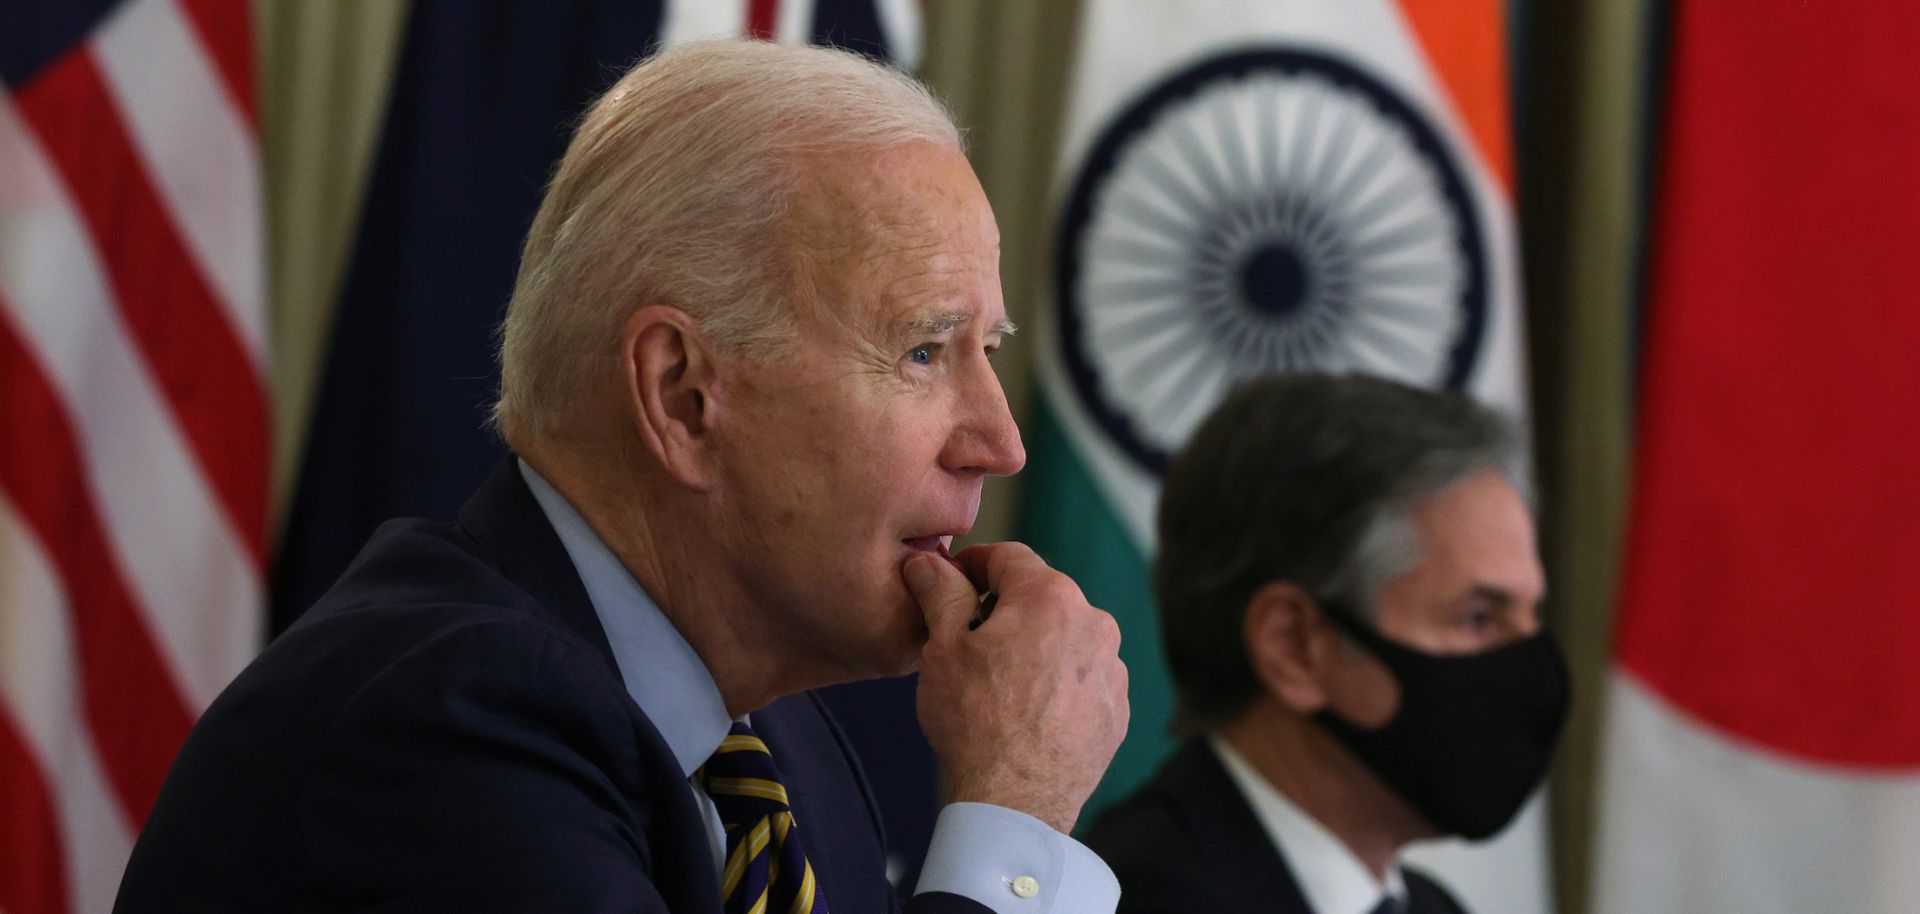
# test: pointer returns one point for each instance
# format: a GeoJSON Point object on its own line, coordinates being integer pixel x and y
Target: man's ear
{"type": "Point", "coordinates": [669, 376]}
{"type": "Point", "coordinates": [1291, 649]}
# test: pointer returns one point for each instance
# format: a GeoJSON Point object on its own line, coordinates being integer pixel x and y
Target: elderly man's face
{"type": "Point", "coordinates": [869, 438]}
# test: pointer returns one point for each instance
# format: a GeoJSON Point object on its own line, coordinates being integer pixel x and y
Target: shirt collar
{"type": "Point", "coordinates": [661, 671]}
{"type": "Point", "coordinates": [1333, 880]}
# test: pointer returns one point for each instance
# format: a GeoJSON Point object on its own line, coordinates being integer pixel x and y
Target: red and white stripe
{"type": "Point", "coordinates": [133, 439]}
{"type": "Point", "coordinates": [785, 22]}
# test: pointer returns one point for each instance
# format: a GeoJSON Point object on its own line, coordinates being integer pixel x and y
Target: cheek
{"type": "Point", "coordinates": [883, 461]}
{"type": "Point", "coordinates": [830, 499]}
{"type": "Point", "coordinates": [1371, 695]}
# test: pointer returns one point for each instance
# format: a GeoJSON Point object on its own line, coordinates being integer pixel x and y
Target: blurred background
{"type": "Point", "coordinates": [252, 255]}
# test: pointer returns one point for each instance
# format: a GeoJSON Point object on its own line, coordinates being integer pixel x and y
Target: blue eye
{"type": "Point", "coordinates": [921, 355]}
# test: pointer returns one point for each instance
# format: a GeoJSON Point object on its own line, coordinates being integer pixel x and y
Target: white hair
{"type": "Point", "coordinates": [675, 191]}
{"type": "Point", "coordinates": [1391, 543]}
{"type": "Point", "coordinates": [1387, 548]}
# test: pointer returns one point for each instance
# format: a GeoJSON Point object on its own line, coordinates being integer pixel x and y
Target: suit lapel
{"type": "Point", "coordinates": [1248, 868]}
{"type": "Point", "coordinates": [513, 534]}
{"type": "Point", "coordinates": [503, 517]}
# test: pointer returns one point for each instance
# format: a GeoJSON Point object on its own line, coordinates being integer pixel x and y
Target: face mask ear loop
{"type": "Point", "coordinates": [1343, 615]}
{"type": "Point", "coordinates": [1363, 635]}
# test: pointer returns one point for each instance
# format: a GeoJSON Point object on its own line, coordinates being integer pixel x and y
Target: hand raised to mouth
{"type": "Point", "coordinates": [1025, 713]}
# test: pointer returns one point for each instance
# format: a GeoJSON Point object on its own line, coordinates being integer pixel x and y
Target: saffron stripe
{"type": "Point", "coordinates": [1464, 41]}
{"type": "Point", "coordinates": [226, 31]}
{"type": "Point", "coordinates": [131, 703]}
{"type": "Point", "coordinates": [32, 868]}
{"type": "Point", "coordinates": [193, 352]}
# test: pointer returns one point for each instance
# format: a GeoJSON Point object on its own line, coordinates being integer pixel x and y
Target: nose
{"type": "Point", "coordinates": [985, 440]}
{"type": "Point", "coordinates": [1525, 622]}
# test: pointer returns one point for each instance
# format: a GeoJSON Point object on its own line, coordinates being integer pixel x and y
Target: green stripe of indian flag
{"type": "Point", "coordinates": [1068, 520]}
{"type": "Point", "coordinates": [1089, 508]}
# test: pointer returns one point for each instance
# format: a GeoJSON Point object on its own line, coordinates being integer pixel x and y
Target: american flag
{"type": "Point", "coordinates": [133, 417]}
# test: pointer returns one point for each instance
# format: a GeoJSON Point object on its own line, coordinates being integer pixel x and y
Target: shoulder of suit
{"type": "Point", "coordinates": [1146, 828]}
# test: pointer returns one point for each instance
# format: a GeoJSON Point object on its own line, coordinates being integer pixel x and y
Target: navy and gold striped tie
{"type": "Point", "coordinates": [766, 871]}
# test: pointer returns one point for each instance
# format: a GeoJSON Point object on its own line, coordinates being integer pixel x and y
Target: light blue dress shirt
{"type": "Point", "coordinates": [1007, 860]}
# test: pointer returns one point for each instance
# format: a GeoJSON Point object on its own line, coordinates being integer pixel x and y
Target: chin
{"type": "Point", "coordinates": [890, 664]}
{"type": "Point", "coordinates": [901, 655]}
{"type": "Point", "coordinates": [887, 649]}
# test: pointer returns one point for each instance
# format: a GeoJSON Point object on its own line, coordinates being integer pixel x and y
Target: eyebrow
{"type": "Point", "coordinates": [1496, 595]}
{"type": "Point", "coordinates": [941, 323]}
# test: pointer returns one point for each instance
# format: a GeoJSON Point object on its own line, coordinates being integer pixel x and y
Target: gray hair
{"type": "Point", "coordinates": [1311, 479]}
{"type": "Point", "coordinates": [1389, 545]}
{"type": "Point", "coordinates": [675, 190]}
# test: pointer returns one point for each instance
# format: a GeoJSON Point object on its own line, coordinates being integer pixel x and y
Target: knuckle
{"type": "Point", "coordinates": [935, 653]}
{"type": "Point", "coordinates": [1061, 591]}
{"type": "Point", "coordinates": [1012, 557]}
{"type": "Point", "coordinates": [1023, 552]}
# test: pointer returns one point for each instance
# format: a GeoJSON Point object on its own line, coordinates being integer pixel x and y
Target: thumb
{"type": "Point", "coordinates": [947, 600]}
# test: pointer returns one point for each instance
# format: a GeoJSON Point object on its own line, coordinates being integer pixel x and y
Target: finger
{"type": "Point", "coordinates": [947, 599]}
{"type": "Point", "coordinates": [991, 565]}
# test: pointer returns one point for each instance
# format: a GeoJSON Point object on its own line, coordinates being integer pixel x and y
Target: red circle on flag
{"type": "Point", "coordinates": [1771, 585]}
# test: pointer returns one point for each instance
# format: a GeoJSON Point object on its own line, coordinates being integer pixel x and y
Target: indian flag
{"type": "Point", "coordinates": [1247, 187]}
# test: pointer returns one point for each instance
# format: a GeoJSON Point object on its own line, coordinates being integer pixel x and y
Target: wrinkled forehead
{"type": "Point", "coordinates": [903, 234]}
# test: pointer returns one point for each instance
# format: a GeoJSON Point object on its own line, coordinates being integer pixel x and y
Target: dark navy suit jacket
{"type": "Point", "coordinates": [1187, 842]}
{"type": "Point", "coordinates": [446, 730]}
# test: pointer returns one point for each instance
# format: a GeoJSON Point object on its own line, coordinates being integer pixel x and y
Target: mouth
{"type": "Point", "coordinates": [936, 544]}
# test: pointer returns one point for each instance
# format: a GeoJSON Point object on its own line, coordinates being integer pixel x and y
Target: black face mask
{"type": "Point", "coordinates": [1473, 733]}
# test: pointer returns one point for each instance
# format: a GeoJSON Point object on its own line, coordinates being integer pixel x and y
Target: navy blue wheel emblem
{"type": "Point", "coordinates": [1266, 210]}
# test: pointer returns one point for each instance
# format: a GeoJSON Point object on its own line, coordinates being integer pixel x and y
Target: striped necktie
{"type": "Point", "coordinates": [766, 870]}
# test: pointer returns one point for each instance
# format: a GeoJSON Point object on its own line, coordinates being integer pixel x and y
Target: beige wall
{"type": "Point", "coordinates": [324, 74]}
{"type": "Point", "coordinates": [1581, 230]}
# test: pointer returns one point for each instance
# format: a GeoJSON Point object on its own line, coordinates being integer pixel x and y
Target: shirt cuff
{"type": "Point", "coordinates": [1014, 864]}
